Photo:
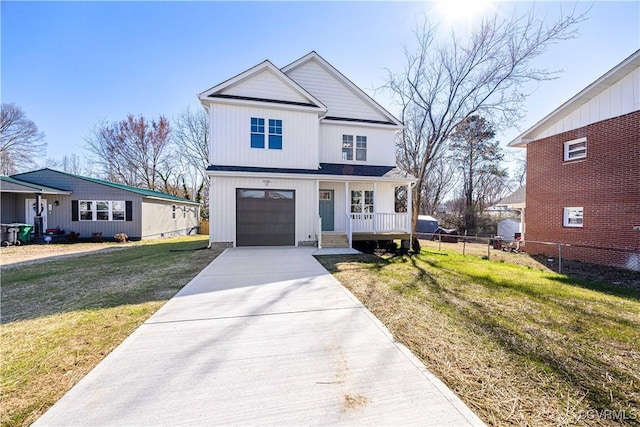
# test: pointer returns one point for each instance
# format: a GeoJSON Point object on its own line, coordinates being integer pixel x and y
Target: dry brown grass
{"type": "Point", "coordinates": [519, 346]}
{"type": "Point", "coordinates": [60, 318]}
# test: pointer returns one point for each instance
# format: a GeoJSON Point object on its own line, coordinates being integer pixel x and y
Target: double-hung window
{"type": "Point", "coordinates": [101, 210]}
{"type": "Point", "coordinates": [575, 149]}
{"type": "Point", "coordinates": [361, 201]}
{"type": "Point", "coordinates": [275, 134]}
{"type": "Point", "coordinates": [361, 148]}
{"type": "Point", "coordinates": [257, 132]}
{"type": "Point", "coordinates": [572, 217]}
{"type": "Point", "coordinates": [348, 147]}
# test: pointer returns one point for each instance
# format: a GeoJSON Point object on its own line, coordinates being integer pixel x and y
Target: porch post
{"type": "Point", "coordinates": [319, 235]}
{"type": "Point", "coordinates": [347, 204]}
{"type": "Point", "coordinates": [409, 206]}
{"type": "Point", "coordinates": [375, 206]}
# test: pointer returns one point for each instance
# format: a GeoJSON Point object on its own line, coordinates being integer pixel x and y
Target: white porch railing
{"type": "Point", "coordinates": [380, 222]}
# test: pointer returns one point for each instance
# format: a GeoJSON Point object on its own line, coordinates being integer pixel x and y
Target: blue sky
{"type": "Point", "coordinates": [71, 64]}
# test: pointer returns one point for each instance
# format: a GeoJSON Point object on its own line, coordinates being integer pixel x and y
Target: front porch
{"type": "Point", "coordinates": [358, 211]}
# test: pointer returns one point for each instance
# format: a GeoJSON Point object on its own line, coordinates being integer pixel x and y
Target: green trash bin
{"type": "Point", "coordinates": [24, 235]}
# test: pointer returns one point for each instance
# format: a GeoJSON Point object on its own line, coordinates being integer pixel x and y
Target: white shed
{"type": "Point", "coordinates": [507, 228]}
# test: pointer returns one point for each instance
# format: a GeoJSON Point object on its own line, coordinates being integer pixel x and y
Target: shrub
{"type": "Point", "coordinates": [73, 237]}
{"type": "Point", "coordinates": [121, 238]}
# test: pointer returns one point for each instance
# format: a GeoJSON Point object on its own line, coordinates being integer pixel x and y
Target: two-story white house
{"type": "Point", "coordinates": [301, 156]}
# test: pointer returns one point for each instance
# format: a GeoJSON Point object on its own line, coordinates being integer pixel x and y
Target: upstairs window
{"type": "Point", "coordinates": [257, 132]}
{"type": "Point", "coordinates": [361, 148]}
{"type": "Point", "coordinates": [347, 147]}
{"type": "Point", "coordinates": [275, 134]}
{"type": "Point", "coordinates": [575, 149]}
{"type": "Point", "coordinates": [572, 217]}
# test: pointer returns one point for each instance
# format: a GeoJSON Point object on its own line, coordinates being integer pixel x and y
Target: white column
{"type": "Point", "coordinates": [375, 205]}
{"type": "Point", "coordinates": [409, 205]}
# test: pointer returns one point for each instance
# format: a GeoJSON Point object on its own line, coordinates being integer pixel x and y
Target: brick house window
{"type": "Point", "coordinates": [575, 149]}
{"type": "Point", "coordinates": [572, 217]}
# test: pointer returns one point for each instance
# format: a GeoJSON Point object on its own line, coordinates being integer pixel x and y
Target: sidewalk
{"type": "Point", "coordinates": [262, 336]}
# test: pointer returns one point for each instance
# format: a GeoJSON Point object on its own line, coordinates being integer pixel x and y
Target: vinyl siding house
{"type": "Point", "coordinates": [87, 205]}
{"type": "Point", "coordinates": [301, 156]}
{"type": "Point", "coordinates": [583, 173]}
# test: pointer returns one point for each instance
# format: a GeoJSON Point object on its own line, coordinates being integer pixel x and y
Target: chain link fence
{"type": "Point", "coordinates": [553, 255]}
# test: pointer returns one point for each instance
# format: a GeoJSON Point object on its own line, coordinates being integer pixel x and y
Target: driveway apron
{"type": "Point", "coordinates": [261, 336]}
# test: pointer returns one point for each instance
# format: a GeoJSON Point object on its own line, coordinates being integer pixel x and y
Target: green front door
{"type": "Point", "coordinates": [326, 209]}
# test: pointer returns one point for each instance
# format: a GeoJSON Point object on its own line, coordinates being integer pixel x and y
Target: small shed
{"type": "Point", "coordinates": [507, 228]}
{"type": "Point", "coordinates": [426, 224]}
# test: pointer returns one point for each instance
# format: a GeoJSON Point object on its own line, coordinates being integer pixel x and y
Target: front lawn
{"type": "Point", "coordinates": [60, 318]}
{"type": "Point", "coordinates": [518, 345]}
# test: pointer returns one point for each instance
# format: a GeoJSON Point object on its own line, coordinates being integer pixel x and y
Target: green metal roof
{"type": "Point", "coordinates": [141, 191]}
{"type": "Point", "coordinates": [35, 187]}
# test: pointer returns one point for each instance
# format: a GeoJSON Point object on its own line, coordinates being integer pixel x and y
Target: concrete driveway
{"type": "Point", "coordinates": [261, 336]}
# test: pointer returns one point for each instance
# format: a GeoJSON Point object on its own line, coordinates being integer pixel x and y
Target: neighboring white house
{"type": "Point", "coordinates": [301, 156]}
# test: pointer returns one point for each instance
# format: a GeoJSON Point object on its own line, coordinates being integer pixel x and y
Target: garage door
{"type": "Point", "coordinates": [265, 217]}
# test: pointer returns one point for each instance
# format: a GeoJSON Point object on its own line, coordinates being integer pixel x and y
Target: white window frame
{"type": "Point", "coordinates": [363, 196]}
{"type": "Point", "coordinates": [573, 213]}
{"type": "Point", "coordinates": [575, 149]}
{"type": "Point", "coordinates": [353, 147]}
{"type": "Point", "coordinates": [93, 209]}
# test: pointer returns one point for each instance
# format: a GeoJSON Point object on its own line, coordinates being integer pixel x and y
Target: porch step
{"type": "Point", "coordinates": [334, 240]}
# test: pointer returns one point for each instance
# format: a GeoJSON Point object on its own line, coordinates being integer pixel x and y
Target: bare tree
{"type": "Point", "coordinates": [444, 82]}
{"type": "Point", "coordinates": [134, 151]}
{"type": "Point", "coordinates": [191, 135]}
{"type": "Point", "coordinates": [21, 143]}
{"type": "Point", "coordinates": [478, 157]}
{"type": "Point", "coordinates": [72, 164]}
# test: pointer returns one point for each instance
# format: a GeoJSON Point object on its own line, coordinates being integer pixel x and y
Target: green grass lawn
{"type": "Point", "coordinates": [520, 346]}
{"type": "Point", "coordinates": [60, 318]}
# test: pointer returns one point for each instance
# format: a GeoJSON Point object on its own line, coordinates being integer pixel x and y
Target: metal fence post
{"type": "Point", "coordinates": [489, 250]}
{"type": "Point", "coordinates": [559, 257]}
{"type": "Point", "coordinates": [439, 241]}
{"type": "Point", "coordinates": [464, 243]}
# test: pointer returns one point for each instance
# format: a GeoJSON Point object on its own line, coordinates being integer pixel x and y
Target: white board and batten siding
{"type": "Point", "coordinates": [620, 98]}
{"type": "Point", "coordinates": [265, 85]}
{"type": "Point", "coordinates": [223, 196]}
{"type": "Point", "coordinates": [231, 137]}
{"type": "Point", "coordinates": [380, 143]}
{"type": "Point", "coordinates": [339, 99]}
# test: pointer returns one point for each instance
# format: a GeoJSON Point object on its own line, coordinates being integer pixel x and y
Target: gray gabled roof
{"type": "Point", "coordinates": [515, 199]}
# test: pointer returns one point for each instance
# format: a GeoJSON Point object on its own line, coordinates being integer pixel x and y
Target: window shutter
{"type": "Point", "coordinates": [129, 210]}
{"type": "Point", "coordinates": [74, 210]}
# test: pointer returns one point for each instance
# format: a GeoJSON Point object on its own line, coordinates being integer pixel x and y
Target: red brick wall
{"type": "Point", "coordinates": [606, 183]}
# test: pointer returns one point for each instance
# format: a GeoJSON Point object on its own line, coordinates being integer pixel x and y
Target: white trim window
{"type": "Point", "coordinates": [101, 210]}
{"type": "Point", "coordinates": [575, 149]}
{"type": "Point", "coordinates": [572, 217]}
{"type": "Point", "coordinates": [357, 150]}
{"type": "Point", "coordinates": [361, 204]}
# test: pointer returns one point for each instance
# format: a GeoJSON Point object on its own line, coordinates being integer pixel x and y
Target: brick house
{"type": "Point", "coordinates": [583, 173]}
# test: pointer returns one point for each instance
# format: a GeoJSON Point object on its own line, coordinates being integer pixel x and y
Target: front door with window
{"type": "Point", "coordinates": [30, 212]}
{"type": "Point", "coordinates": [326, 209]}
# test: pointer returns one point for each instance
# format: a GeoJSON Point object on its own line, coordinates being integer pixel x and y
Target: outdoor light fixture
{"type": "Point", "coordinates": [56, 203]}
